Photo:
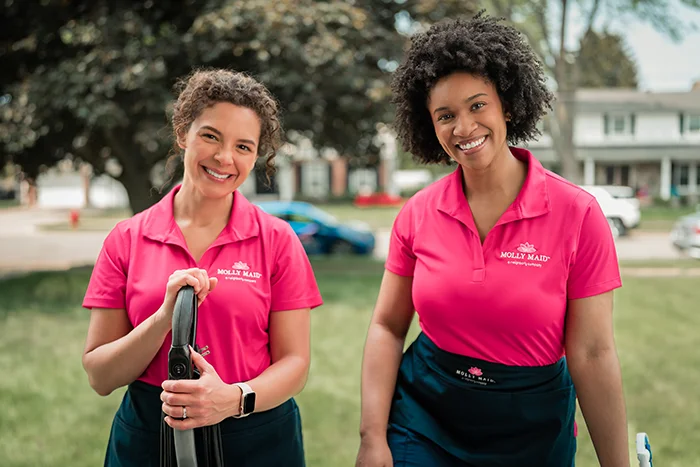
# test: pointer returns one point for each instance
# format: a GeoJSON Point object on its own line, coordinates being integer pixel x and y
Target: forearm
{"type": "Point", "coordinates": [118, 363]}
{"type": "Point", "coordinates": [282, 380]}
{"type": "Point", "coordinates": [598, 383]}
{"type": "Point", "coordinates": [382, 357]}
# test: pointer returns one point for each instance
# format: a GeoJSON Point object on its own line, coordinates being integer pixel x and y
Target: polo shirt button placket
{"type": "Point", "coordinates": [479, 271]}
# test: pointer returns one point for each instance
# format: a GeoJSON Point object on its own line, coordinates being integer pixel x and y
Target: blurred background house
{"type": "Point", "coordinates": [646, 140]}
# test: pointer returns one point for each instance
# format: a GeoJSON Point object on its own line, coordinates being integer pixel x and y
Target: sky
{"type": "Point", "coordinates": [664, 65]}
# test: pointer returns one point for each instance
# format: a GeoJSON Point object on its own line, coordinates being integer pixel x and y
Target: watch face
{"type": "Point", "coordinates": [249, 403]}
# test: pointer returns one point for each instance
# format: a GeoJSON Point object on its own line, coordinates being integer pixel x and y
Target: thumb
{"type": "Point", "coordinates": [212, 283]}
{"type": "Point", "coordinates": [202, 365]}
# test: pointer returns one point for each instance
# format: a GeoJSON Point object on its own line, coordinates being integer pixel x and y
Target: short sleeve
{"type": "Point", "coordinates": [293, 284]}
{"type": "Point", "coordinates": [400, 259]}
{"type": "Point", "coordinates": [595, 268]}
{"type": "Point", "coordinates": [107, 286]}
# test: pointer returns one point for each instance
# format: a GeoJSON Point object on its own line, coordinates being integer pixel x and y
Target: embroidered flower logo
{"type": "Point", "coordinates": [526, 248]}
{"type": "Point", "coordinates": [475, 371]}
{"type": "Point", "coordinates": [240, 265]}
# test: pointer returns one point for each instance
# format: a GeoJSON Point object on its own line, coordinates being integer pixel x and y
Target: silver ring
{"type": "Point", "coordinates": [184, 412]}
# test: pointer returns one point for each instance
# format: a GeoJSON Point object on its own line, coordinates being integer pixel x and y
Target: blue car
{"type": "Point", "coordinates": [320, 232]}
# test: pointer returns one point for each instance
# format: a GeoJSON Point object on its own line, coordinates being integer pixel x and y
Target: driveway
{"type": "Point", "coordinates": [646, 245]}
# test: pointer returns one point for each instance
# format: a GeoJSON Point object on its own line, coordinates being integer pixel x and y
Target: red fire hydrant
{"type": "Point", "coordinates": [74, 218]}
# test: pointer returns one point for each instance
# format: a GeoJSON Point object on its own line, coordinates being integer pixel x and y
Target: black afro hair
{"type": "Point", "coordinates": [484, 46]}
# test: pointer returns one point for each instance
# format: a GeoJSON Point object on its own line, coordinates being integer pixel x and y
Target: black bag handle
{"type": "Point", "coordinates": [178, 447]}
{"type": "Point", "coordinates": [184, 332]}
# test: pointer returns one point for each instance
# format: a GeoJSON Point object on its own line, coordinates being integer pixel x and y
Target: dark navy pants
{"type": "Point", "coordinates": [450, 410]}
{"type": "Point", "coordinates": [265, 439]}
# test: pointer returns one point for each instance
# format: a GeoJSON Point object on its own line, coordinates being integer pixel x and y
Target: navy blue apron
{"type": "Point", "coordinates": [262, 439]}
{"type": "Point", "coordinates": [451, 410]}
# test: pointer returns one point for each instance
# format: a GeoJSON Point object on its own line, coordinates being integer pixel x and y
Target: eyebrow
{"type": "Point", "coordinates": [214, 130]}
{"type": "Point", "coordinates": [469, 99]}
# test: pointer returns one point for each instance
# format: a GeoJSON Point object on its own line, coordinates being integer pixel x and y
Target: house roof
{"type": "Point", "coordinates": [631, 100]}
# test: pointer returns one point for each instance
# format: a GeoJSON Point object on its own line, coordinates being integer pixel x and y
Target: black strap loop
{"type": "Point", "coordinates": [179, 451]}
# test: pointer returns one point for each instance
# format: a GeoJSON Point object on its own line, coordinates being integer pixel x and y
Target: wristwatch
{"type": "Point", "coordinates": [247, 400]}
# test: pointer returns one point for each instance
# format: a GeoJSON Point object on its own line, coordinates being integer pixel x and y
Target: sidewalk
{"type": "Point", "coordinates": [24, 247]}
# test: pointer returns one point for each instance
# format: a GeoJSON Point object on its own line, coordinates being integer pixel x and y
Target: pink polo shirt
{"type": "Point", "coordinates": [258, 259]}
{"type": "Point", "coordinates": [504, 301]}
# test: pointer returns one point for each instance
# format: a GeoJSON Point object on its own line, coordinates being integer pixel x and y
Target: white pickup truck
{"type": "Point", "coordinates": [623, 214]}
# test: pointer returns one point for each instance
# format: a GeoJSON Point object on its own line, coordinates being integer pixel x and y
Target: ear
{"type": "Point", "coordinates": [182, 140]}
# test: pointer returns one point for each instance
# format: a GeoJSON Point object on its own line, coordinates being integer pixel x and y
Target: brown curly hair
{"type": "Point", "coordinates": [205, 87]}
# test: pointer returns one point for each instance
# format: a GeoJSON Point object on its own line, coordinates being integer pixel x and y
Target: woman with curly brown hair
{"type": "Point", "coordinates": [253, 281]}
{"type": "Point", "coordinates": [509, 267]}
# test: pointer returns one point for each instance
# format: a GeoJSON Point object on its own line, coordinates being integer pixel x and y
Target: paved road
{"type": "Point", "coordinates": [25, 247]}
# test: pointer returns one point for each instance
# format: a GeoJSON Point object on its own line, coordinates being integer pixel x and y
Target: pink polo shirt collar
{"type": "Point", "coordinates": [532, 201]}
{"type": "Point", "coordinates": [160, 224]}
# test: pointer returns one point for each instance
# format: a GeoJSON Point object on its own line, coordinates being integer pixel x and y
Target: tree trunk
{"type": "Point", "coordinates": [565, 114]}
{"type": "Point", "coordinates": [565, 71]}
{"type": "Point", "coordinates": [86, 176]}
{"type": "Point", "coordinates": [563, 138]}
{"type": "Point", "coordinates": [136, 172]}
{"type": "Point", "coordinates": [142, 195]}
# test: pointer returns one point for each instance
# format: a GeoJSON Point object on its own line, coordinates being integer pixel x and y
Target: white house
{"type": "Point", "coordinates": [639, 139]}
{"type": "Point", "coordinates": [64, 190]}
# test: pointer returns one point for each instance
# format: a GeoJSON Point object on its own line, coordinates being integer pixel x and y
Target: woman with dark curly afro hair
{"type": "Point", "coordinates": [509, 267]}
{"type": "Point", "coordinates": [253, 282]}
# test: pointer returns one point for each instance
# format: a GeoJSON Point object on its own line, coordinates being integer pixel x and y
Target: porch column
{"type": "Point", "coordinates": [589, 171]}
{"type": "Point", "coordinates": [285, 178]}
{"type": "Point", "coordinates": [693, 181]}
{"type": "Point", "coordinates": [665, 182]}
{"type": "Point", "coordinates": [388, 158]}
{"type": "Point", "coordinates": [339, 176]}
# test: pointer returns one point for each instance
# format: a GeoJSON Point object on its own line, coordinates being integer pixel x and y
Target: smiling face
{"type": "Point", "coordinates": [221, 147]}
{"type": "Point", "coordinates": [469, 120]}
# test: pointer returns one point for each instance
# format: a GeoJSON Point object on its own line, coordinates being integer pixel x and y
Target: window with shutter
{"type": "Point", "coordinates": [694, 123]}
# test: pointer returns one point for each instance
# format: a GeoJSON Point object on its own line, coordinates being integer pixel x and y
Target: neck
{"type": "Point", "coordinates": [502, 178]}
{"type": "Point", "coordinates": [192, 209]}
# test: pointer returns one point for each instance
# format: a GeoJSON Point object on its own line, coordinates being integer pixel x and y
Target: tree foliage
{"type": "Point", "coordinates": [93, 80]}
{"type": "Point", "coordinates": [605, 62]}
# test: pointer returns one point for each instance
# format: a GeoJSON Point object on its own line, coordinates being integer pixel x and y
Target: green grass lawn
{"type": "Point", "coordinates": [662, 218]}
{"type": "Point", "coordinates": [8, 203]}
{"type": "Point", "coordinates": [377, 217]}
{"type": "Point", "coordinates": [684, 263]}
{"type": "Point", "coordinates": [91, 220]}
{"type": "Point", "coordinates": [49, 416]}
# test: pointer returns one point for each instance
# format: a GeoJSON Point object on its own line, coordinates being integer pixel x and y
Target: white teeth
{"type": "Point", "coordinates": [216, 175]}
{"type": "Point", "coordinates": [471, 145]}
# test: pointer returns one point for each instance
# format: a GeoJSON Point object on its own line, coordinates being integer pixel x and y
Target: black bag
{"type": "Point", "coordinates": [177, 447]}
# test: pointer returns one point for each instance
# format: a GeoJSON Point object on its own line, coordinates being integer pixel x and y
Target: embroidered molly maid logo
{"type": "Point", "coordinates": [240, 271]}
{"type": "Point", "coordinates": [475, 375]}
{"type": "Point", "coordinates": [241, 265]}
{"type": "Point", "coordinates": [526, 248]}
{"type": "Point", "coordinates": [525, 254]}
